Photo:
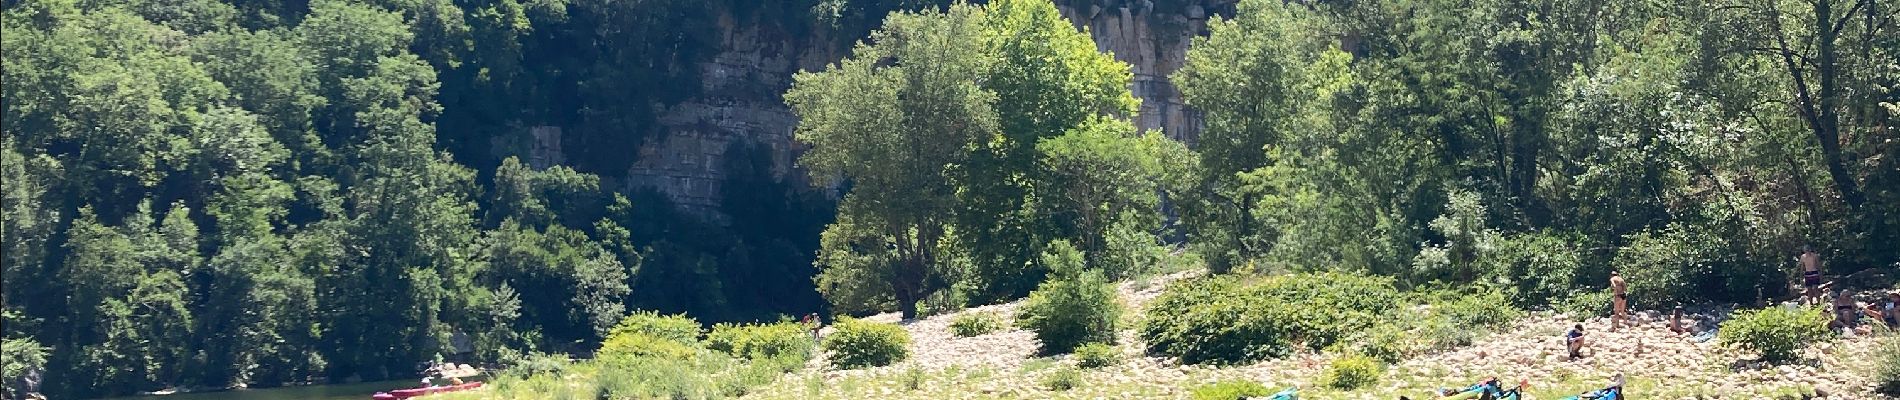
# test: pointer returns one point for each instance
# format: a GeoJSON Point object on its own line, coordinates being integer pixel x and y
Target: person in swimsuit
{"type": "Point", "coordinates": [1811, 274]}
{"type": "Point", "coordinates": [1675, 322]}
{"type": "Point", "coordinates": [1619, 300]}
{"type": "Point", "coordinates": [1846, 310]}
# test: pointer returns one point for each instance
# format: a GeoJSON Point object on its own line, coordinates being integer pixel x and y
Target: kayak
{"type": "Point", "coordinates": [408, 393]}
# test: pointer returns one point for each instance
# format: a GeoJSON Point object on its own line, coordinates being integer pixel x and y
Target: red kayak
{"type": "Point", "coordinates": [407, 393]}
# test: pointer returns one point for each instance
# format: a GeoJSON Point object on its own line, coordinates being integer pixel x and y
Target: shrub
{"type": "Point", "coordinates": [1778, 333]}
{"type": "Point", "coordinates": [1222, 320]}
{"type": "Point", "coordinates": [1351, 372]}
{"type": "Point", "coordinates": [1887, 366]}
{"type": "Point", "coordinates": [762, 341]}
{"type": "Point", "coordinates": [1231, 390]}
{"type": "Point", "coordinates": [536, 364]}
{"type": "Point", "coordinates": [1097, 355]}
{"type": "Point", "coordinates": [857, 343]}
{"type": "Point", "coordinates": [653, 378]}
{"type": "Point", "coordinates": [975, 324]}
{"type": "Point", "coordinates": [1485, 309]}
{"type": "Point", "coordinates": [1584, 304]}
{"type": "Point", "coordinates": [678, 328]}
{"type": "Point", "coordinates": [642, 345]}
{"type": "Point", "coordinates": [1072, 308]}
{"type": "Point", "coordinates": [1385, 342]}
{"type": "Point", "coordinates": [1210, 320]}
{"type": "Point", "coordinates": [1064, 378]}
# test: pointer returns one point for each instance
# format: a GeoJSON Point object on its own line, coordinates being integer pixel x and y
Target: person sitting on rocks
{"type": "Point", "coordinates": [1573, 340]}
{"type": "Point", "coordinates": [1846, 310]}
{"type": "Point", "coordinates": [1892, 311]}
{"type": "Point", "coordinates": [1675, 322]}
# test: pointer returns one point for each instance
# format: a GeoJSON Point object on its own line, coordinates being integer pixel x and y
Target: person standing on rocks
{"type": "Point", "coordinates": [1619, 300]}
{"type": "Point", "coordinates": [1811, 274]}
{"type": "Point", "coordinates": [814, 324]}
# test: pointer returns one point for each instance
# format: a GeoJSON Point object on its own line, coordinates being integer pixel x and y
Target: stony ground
{"type": "Point", "coordinates": [1658, 364]}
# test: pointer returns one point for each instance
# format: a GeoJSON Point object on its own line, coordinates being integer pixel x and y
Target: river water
{"type": "Point", "coordinates": [352, 391]}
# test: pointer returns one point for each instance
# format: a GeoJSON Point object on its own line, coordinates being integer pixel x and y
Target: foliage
{"type": "Point", "coordinates": [1584, 304]}
{"type": "Point", "coordinates": [1476, 309]}
{"type": "Point", "coordinates": [1777, 333]}
{"type": "Point", "coordinates": [643, 345]}
{"type": "Point", "coordinates": [1351, 372]}
{"type": "Point", "coordinates": [856, 343]}
{"type": "Point", "coordinates": [1226, 320]}
{"type": "Point", "coordinates": [22, 356]}
{"type": "Point", "coordinates": [762, 341]}
{"type": "Point", "coordinates": [1075, 306]}
{"type": "Point", "coordinates": [1886, 362]}
{"type": "Point", "coordinates": [1062, 379]}
{"type": "Point", "coordinates": [676, 328]}
{"type": "Point", "coordinates": [1231, 390]}
{"type": "Point", "coordinates": [973, 324]}
{"type": "Point", "coordinates": [1097, 355]}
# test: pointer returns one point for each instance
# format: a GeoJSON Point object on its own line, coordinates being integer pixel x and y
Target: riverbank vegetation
{"type": "Point", "coordinates": [214, 194]}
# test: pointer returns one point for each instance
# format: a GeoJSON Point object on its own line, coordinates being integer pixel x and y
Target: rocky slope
{"type": "Point", "coordinates": [1658, 364]}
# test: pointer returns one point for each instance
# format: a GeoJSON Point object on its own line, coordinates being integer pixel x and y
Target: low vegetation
{"type": "Point", "coordinates": [1231, 390]}
{"type": "Point", "coordinates": [856, 343]}
{"type": "Point", "coordinates": [1777, 333]}
{"type": "Point", "coordinates": [1063, 378]}
{"type": "Point", "coordinates": [649, 356]}
{"type": "Point", "coordinates": [1097, 355]}
{"type": "Point", "coordinates": [1073, 307]}
{"type": "Point", "coordinates": [1351, 372]}
{"type": "Point", "coordinates": [975, 324]}
{"type": "Point", "coordinates": [1226, 319]}
{"type": "Point", "coordinates": [1886, 371]}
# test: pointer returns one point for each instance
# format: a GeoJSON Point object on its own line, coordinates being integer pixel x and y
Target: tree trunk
{"type": "Point", "coordinates": [1827, 122]}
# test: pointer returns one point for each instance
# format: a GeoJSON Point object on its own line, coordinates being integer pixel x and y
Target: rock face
{"type": "Point", "coordinates": [741, 100]}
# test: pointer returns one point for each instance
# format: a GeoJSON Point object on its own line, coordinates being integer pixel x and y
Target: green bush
{"type": "Point", "coordinates": [1073, 307]}
{"type": "Point", "coordinates": [642, 345]}
{"type": "Point", "coordinates": [1097, 355]}
{"type": "Point", "coordinates": [975, 324]}
{"type": "Point", "coordinates": [678, 328]}
{"type": "Point", "coordinates": [1778, 333]}
{"type": "Point", "coordinates": [1385, 342]}
{"type": "Point", "coordinates": [1064, 378]}
{"type": "Point", "coordinates": [857, 343]}
{"type": "Point", "coordinates": [1222, 320]}
{"type": "Point", "coordinates": [1485, 309]}
{"type": "Point", "coordinates": [1351, 372]}
{"type": "Point", "coordinates": [1584, 304]}
{"type": "Point", "coordinates": [1210, 320]}
{"type": "Point", "coordinates": [762, 341]}
{"type": "Point", "coordinates": [530, 364]}
{"type": "Point", "coordinates": [1231, 390]}
{"type": "Point", "coordinates": [654, 377]}
{"type": "Point", "coordinates": [1887, 366]}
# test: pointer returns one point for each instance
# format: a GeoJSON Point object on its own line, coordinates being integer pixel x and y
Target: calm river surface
{"type": "Point", "coordinates": [353, 391]}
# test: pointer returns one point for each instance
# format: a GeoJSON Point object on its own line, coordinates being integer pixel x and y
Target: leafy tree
{"type": "Point", "coordinates": [1048, 79]}
{"type": "Point", "coordinates": [894, 129]}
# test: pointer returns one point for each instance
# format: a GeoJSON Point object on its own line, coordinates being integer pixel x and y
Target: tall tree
{"type": "Point", "coordinates": [893, 129]}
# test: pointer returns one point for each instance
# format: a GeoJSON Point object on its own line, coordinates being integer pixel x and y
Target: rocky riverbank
{"type": "Point", "coordinates": [1658, 363]}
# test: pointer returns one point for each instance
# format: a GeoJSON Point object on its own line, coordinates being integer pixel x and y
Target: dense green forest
{"type": "Point", "coordinates": [207, 193]}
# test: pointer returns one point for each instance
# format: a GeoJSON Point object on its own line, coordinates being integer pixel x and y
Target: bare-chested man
{"type": "Point", "coordinates": [1811, 275]}
{"type": "Point", "coordinates": [1619, 300]}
